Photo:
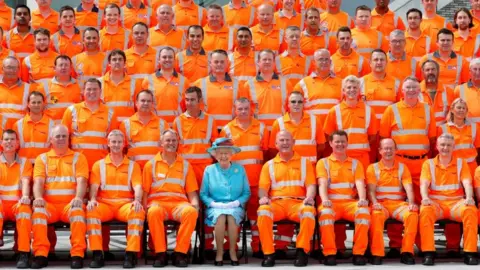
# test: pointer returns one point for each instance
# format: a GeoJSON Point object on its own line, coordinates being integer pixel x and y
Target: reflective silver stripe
{"type": "Point", "coordinates": [451, 187]}
{"type": "Point", "coordinates": [443, 198]}
{"type": "Point", "coordinates": [391, 197]}
{"type": "Point", "coordinates": [77, 219]}
{"type": "Point", "coordinates": [196, 156]}
{"type": "Point", "coordinates": [379, 103]}
{"type": "Point", "coordinates": [60, 192]}
{"type": "Point", "coordinates": [141, 157]}
{"type": "Point", "coordinates": [477, 45]}
{"type": "Point", "coordinates": [9, 198]}
{"type": "Point", "coordinates": [136, 221]}
{"type": "Point", "coordinates": [459, 68]}
{"type": "Point", "coordinates": [60, 179]}
{"type": "Point", "coordinates": [249, 161]}
{"type": "Point", "coordinates": [341, 185]}
{"type": "Point", "coordinates": [11, 188]}
{"type": "Point", "coordinates": [318, 112]}
{"type": "Point", "coordinates": [362, 211]}
{"type": "Point", "coordinates": [167, 194]}
{"type": "Point", "coordinates": [340, 196]}
{"type": "Point", "coordinates": [56, 42]}
{"type": "Point", "coordinates": [169, 180]}
{"type": "Point", "coordinates": [323, 101]}
{"type": "Point", "coordinates": [23, 215]}
{"type": "Point", "coordinates": [94, 232]}
{"type": "Point", "coordinates": [95, 221]}
{"type": "Point", "coordinates": [89, 146]}
{"type": "Point", "coordinates": [398, 188]}
{"type": "Point", "coordinates": [265, 213]}
{"type": "Point", "coordinates": [362, 221]}
{"type": "Point", "coordinates": [39, 221]}
{"type": "Point", "coordinates": [326, 222]}
{"type": "Point", "coordinates": [338, 118]}
{"type": "Point", "coordinates": [282, 238]}
{"type": "Point", "coordinates": [327, 211]}
{"type": "Point", "coordinates": [103, 178]}
{"type": "Point", "coordinates": [250, 148]}
{"type": "Point", "coordinates": [288, 183]}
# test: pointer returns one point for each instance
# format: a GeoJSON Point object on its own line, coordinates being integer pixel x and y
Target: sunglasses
{"type": "Point", "coordinates": [296, 101]}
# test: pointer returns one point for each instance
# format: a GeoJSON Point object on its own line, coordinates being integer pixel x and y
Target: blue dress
{"type": "Point", "coordinates": [224, 186]}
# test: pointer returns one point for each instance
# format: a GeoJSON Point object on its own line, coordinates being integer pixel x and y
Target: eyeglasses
{"type": "Point", "coordinates": [296, 101]}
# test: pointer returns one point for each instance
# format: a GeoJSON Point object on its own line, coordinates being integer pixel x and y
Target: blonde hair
{"type": "Point", "coordinates": [450, 116]}
{"type": "Point", "coordinates": [350, 78]}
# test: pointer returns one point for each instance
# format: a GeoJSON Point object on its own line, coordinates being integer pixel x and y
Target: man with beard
{"type": "Point", "coordinates": [292, 64]}
{"type": "Point", "coordinates": [167, 86]}
{"type": "Point", "coordinates": [193, 61]}
{"type": "Point", "coordinates": [334, 17]}
{"type": "Point", "coordinates": [88, 15]}
{"type": "Point", "coordinates": [242, 60]}
{"type": "Point", "coordinates": [92, 63]}
{"type": "Point", "coordinates": [468, 91]}
{"type": "Point", "coordinates": [465, 40]}
{"type": "Point", "coordinates": [287, 16]}
{"type": "Point", "coordinates": [417, 42]}
{"type": "Point", "coordinates": [400, 65]}
{"type": "Point", "coordinates": [385, 20]}
{"type": "Point", "coordinates": [113, 36]}
{"type": "Point", "coordinates": [7, 20]}
{"type": "Point", "coordinates": [266, 35]}
{"type": "Point", "coordinates": [141, 58]}
{"type": "Point", "coordinates": [118, 88]}
{"type": "Point", "coordinates": [432, 22]}
{"type": "Point", "coordinates": [346, 61]}
{"type": "Point", "coordinates": [68, 40]}
{"type": "Point", "coordinates": [217, 35]}
{"type": "Point", "coordinates": [45, 16]}
{"type": "Point", "coordinates": [165, 33]}
{"type": "Point", "coordinates": [315, 37]}
{"type": "Point", "coordinates": [39, 65]}
{"type": "Point", "coordinates": [20, 39]}
{"type": "Point", "coordinates": [365, 37]}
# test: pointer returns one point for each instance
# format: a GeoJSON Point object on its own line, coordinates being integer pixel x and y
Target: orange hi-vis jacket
{"type": "Point", "coordinates": [403, 67]}
{"type": "Point", "coordinates": [89, 129]}
{"type": "Point", "coordinates": [252, 141]}
{"type": "Point", "coordinates": [175, 38]}
{"type": "Point", "coordinates": [418, 47]}
{"type": "Point", "coordinates": [130, 15]}
{"type": "Point", "coordinates": [379, 94]}
{"type": "Point", "coordinates": [389, 182]}
{"type": "Point", "coordinates": [103, 3]}
{"type": "Point", "coordinates": [467, 141]}
{"type": "Point", "coordinates": [471, 95]}
{"type": "Point", "coordinates": [33, 137]}
{"type": "Point", "coordinates": [51, 22]}
{"type": "Point", "coordinates": [287, 179]}
{"type": "Point", "coordinates": [37, 68]}
{"type": "Point", "coordinates": [214, 91]}
{"type": "Point", "coordinates": [116, 183]}
{"type": "Point", "coordinates": [23, 46]}
{"type": "Point", "coordinates": [281, 21]}
{"type": "Point", "coordinates": [88, 18]}
{"type": "Point", "coordinates": [467, 47]}
{"type": "Point", "coordinates": [196, 136]}
{"type": "Point", "coordinates": [14, 101]}
{"type": "Point", "coordinates": [165, 183]}
{"type": "Point", "coordinates": [256, 3]}
{"type": "Point", "coordinates": [307, 134]}
{"type": "Point", "coordinates": [236, 18]}
{"type": "Point", "coordinates": [387, 23]}
{"type": "Point", "coordinates": [120, 97]}
{"type": "Point", "coordinates": [243, 67]}
{"type": "Point", "coordinates": [140, 65]}
{"type": "Point", "coordinates": [192, 66]}
{"type": "Point", "coordinates": [11, 178]}
{"type": "Point", "coordinates": [443, 98]}
{"type": "Point", "coordinates": [119, 40]}
{"type": "Point", "coordinates": [410, 127]}
{"type": "Point", "coordinates": [168, 93]}
{"type": "Point", "coordinates": [433, 25]}
{"type": "Point", "coordinates": [365, 41]}
{"type": "Point", "coordinates": [143, 139]}
{"type": "Point", "coordinates": [186, 16]}
{"type": "Point", "coordinates": [354, 63]}
{"type": "Point", "coordinates": [359, 122]}
{"type": "Point", "coordinates": [271, 40]}
{"type": "Point", "coordinates": [320, 94]}
{"type": "Point", "coordinates": [62, 44]}
{"type": "Point", "coordinates": [7, 18]}
{"type": "Point", "coordinates": [293, 68]}
{"type": "Point", "coordinates": [454, 71]}
{"type": "Point", "coordinates": [155, 4]}
{"type": "Point", "coordinates": [4, 53]}
{"type": "Point", "coordinates": [445, 182]}
{"type": "Point", "coordinates": [60, 174]}
{"type": "Point", "coordinates": [58, 97]}
{"type": "Point", "coordinates": [3, 122]}
{"type": "Point", "coordinates": [267, 97]}
{"type": "Point", "coordinates": [334, 21]}
{"type": "Point", "coordinates": [88, 66]}
{"type": "Point", "coordinates": [223, 39]}
{"type": "Point", "coordinates": [311, 43]}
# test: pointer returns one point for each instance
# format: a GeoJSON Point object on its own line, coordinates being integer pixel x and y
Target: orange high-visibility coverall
{"type": "Point", "coordinates": [60, 174]}
{"type": "Point", "coordinates": [447, 195]}
{"type": "Point", "coordinates": [341, 178]}
{"type": "Point", "coordinates": [166, 187]}
{"type": "Point", "coordinates": [391, 195]}
{"type": "Point", "coordinates": [34, 137]}
{"type": "Point", "coordinates": [286, 183]}
{"type": "Point", "coordinates": [115, 196]}
{"type": "Point", "coordinates": [11, 176]}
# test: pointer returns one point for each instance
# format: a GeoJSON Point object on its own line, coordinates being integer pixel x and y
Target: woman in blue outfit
{"type": "Point", "coordinates": [225, 191]}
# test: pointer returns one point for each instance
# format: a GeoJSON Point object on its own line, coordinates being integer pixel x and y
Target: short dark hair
{"type": "Point", "coordinates": [166, 48]}
{"type": "Point", "coordinates": [338, 133]}
{"type": "Point", "coordinates": [1, 30]}
{"type": "Point", "coordinates": [378, 51]}
{"type": "Point", "coordinates": [244, 28]}
{"type": "Point", "coordinates": [66, 8]}
{"type": "Point", "coordinates": [219, 51]}
{"type": "Point", "coordinates": [265, 51]}
{"type": "Point", "coordinates": [194, 89]}
{"type": "Point", "coordinates": [433, 62]}
{"type": "Point", "coordinates": [17, 7]}
{"type": "Point", "coordinates": [90, 28]}
{"type": "Point", "coordinates": [36, 94]}
{"type": "Point", "coordinates": [415, 10]}
{"type": "Point", "coordinates": [312, 9]}
{"type": "Point", "coordinates": [93, 80]}
{"type": "Point", "coordinates": [62, 57]}
{"type": "Point", "coordinates": [142, 24]}
{"type": "Point", "coordinates": [117, 52]}
{"type": "Point", "coordinates": [9, 132]}
{"type": "Point", "coordinates": [344, 29]}
{"type": "Point", "coordinates": [41, 31]}
{"type": "Point", "coordinates": [145, 91]}
{"type": "Point", "coordinates": [112, 5]}
{"type": "Point", "coordinates": [445, 31]}
{"type": "Point", "coordinates": [455, 25]}
{"type": "Point", "coordinates": [195, 27]}
{"type": "Point", "coordinates": [362, 7]}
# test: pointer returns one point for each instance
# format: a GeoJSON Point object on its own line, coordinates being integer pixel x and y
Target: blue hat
{"type": "Point", "coordinates": [223, 143]}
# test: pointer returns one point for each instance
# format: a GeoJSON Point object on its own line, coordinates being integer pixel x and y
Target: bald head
{"type": "Point", "coordinates": [284, 141]}
{"type": "Point", "coordinates": [165, 15]}
{"type": "Point", "coordinates": [265, 14]}
{"type": "Point", "coordinates": [322, 61]}
{"type": "Point", "coordinates": [59, 129]}
{"type": "Point", "coordinates": [387, 149]}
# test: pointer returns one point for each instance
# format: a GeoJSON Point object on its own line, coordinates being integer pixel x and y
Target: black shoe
{"type": "Point", "coordinates": [234, 263]}
{"type": "Point", "coordinates": [76, 263]}
{"type": "Point", "coordinates": [407, 258]}
{"type": "Point", "coordinates": [52, 256]}
{"type": "Point", "coordinates": [375, 260]}
{"type": "Point", "coordinates": [393, 253]}
{"type": "Point", "coordinates": [210, 255]}
{"type": "Point", "coordinates": [428, 258]}
{"type": "Point", "coordinates": [180, 259]}
{"type": "Point", "coordinates": [129, 261]}
{"type": "Point", "coordinates": [470, 259]}
{"type": "Point", "coordinates": [280, 254]}
{"type": "Point", "coordinates": [39, 262]}
{"type": "Point", "coordinates": [108, 256]}
{"type": "Point", "coordinates": [23, 260]}
{"type": "Point", "coordinates": [226, 255]}
{"type": "Point", "coordinates": [330, 260]}
{"type": "Point", "coordinates": [258, 254]}
{"type": "Point", "coordinates": [97, 259]}
{"type": "Point", "coordinates": [341, 255]}
{"type": "Point", "coordinates": [301, 258]}
{"type": "Point", "coordinates": [359, 260]}
{"type": "Point", "coordinates": [453, 254]}
{"type": "Point", "coordinates": [317, 254]}
{"type": "Point", "coordinates": [269, 260]}
{"type": "Point", "coordinates": [160, 260]}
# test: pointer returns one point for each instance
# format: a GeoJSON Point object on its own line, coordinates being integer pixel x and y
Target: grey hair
{"type": "Point", "coordinates": [115, 132]}
{"type": "Point", "coordinates": [350, 79]}
{"type": "Point", "coordinates": [397, 33]}
{"type": "Point", "coordinates": [410, 78]}
{"type": "Point", "coordinates": [474, 62]}
{"type": "Point", "coordinates": [446, 136]}
{"type": "Point", "coordinates": [11, 58]}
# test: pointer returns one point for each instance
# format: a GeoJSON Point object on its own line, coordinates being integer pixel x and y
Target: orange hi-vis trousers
{"type": "Point", "coordinates": [347, 210]}
{"type": "Point", "coordinates": [397, 210]}
{"type": "Point", "coordinates": [182, 212]}
{"type": "Point", "coordinates": [21, 214]}
{"type": "Point", "coordinates": [281, 209]}
{"type": "Point", "coordinates": [52, 213]}
{"type": "Point", "coordinates": [454, 210]}
{"type": "Point", "coordinates": [121, 211]}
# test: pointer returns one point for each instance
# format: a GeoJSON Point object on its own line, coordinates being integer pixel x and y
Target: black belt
{"type": "Point", "coordinates": [413, 157]}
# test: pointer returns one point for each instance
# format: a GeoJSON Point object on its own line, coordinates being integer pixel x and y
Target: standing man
{"type": "Point", "coordinates": [365, 37]}
{"type": "Point", "coordinates": [68, 39]}
{"type": "Point", "coordinates": [59, 186]}
{"type": "Point", "coordinates": [432, 22]}
{"type": "Point", "coordinates": [287, 16]}
{"type": "Point", "coordinates": [239, 14]}
{"type": "Point", "coordinates": [469, 91]}
{"type": "Point", "coordinates": [266, 35]}
{"type": "Point", "coordinates": [141, 58]}
{"type": "Point", "coordinates": [334, 17]}
{"type": "Point", "coordinates": [218, 35]}
{"type": "Point", "coordinates": [87, 14]}
{"type": "Point", "coordinates": [7, 16]}
{"type": "Point", "coordinates": [193, 61]}
{"type": "Point", "coordinates": [39, 66]}
{"type": "Point", "coordinates": [45, 16]}
{"type": "Point", "coordinates": [165, 33]}
{"type": "Point", "coordinates": [400, 65]}
{"type": "Point", "coordinates": [384, 19]}
{"type": "Point", "coordinates": [315, 37]}
{"type": "Point", "coordinates": [20, 39]}
{"type": "Point", "coordinates": [243, 59]}
{"type": "Point", "coordinates": [417, 43]}
{"type": "Point", "coordinates": [346, 61]}
{"type": "Point", "coordinates": [113, 36]}
{"type": "Point", "coordinates": [188, 13]}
